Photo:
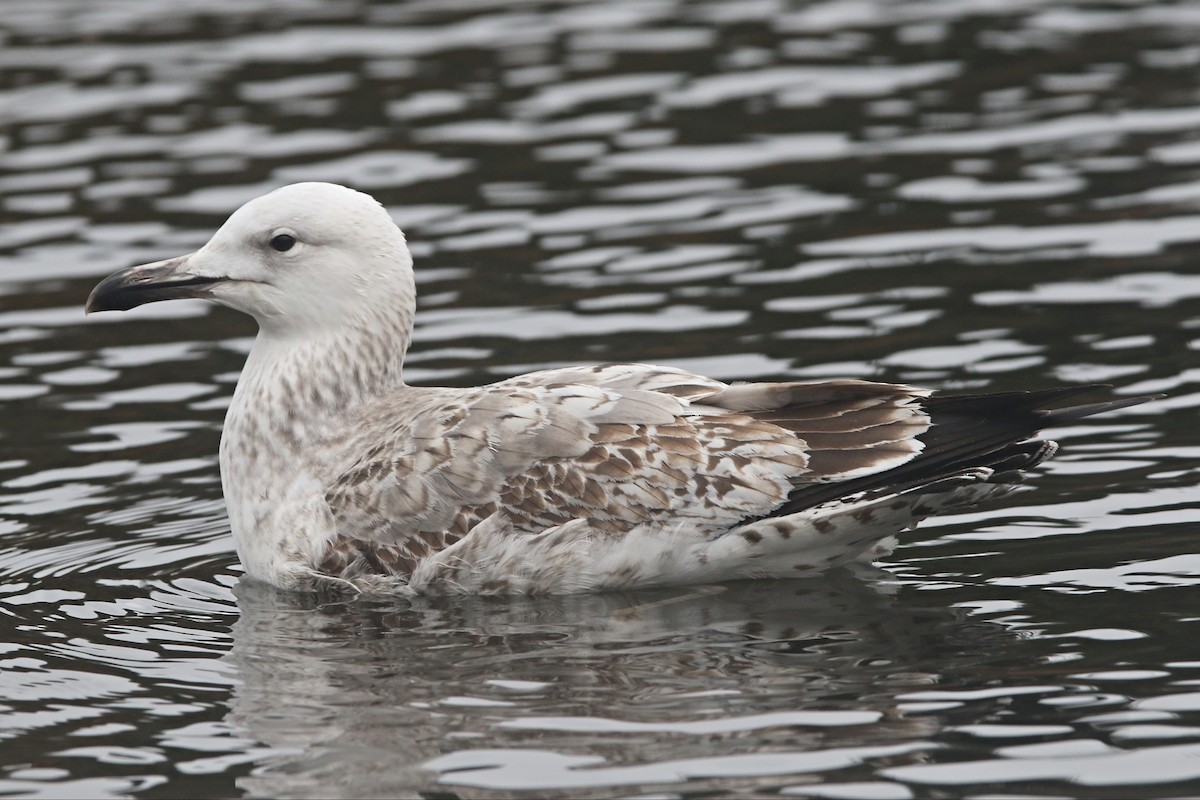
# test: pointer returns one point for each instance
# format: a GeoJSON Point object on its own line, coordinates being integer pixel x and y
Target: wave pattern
{"type": "Point", "coordinates": [960, 194]}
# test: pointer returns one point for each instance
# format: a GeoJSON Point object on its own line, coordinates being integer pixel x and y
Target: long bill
{"type": "Point", "coordinates": [148, 283]}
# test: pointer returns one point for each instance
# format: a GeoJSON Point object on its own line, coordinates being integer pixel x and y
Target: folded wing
{"type": "Point", "coordinates": [619, 446]}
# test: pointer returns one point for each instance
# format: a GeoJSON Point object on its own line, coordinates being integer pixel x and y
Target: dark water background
{"type": "Point", "coordinates": [965, 195]}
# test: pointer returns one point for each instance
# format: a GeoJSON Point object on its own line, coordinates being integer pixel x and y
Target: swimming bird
{"type": "Point", "coordinates": [338, 474]}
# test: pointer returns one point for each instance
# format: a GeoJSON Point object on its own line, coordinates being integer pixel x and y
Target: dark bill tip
{"type": "Point", "coordinates": [148, 283]}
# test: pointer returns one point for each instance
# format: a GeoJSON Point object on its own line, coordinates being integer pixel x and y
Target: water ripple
{"type": "Point", "coordinates": [966, 195]}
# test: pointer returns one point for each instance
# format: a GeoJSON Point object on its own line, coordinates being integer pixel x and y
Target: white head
{"type": "Point", "coordinates": [304, 259]}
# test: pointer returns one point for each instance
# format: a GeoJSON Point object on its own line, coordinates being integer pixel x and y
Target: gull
{"type": "Point", "coordinates": [338, 475]}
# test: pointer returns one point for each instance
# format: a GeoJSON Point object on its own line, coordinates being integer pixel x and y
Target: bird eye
{"type": "Point", "coordinates": [283, 242]}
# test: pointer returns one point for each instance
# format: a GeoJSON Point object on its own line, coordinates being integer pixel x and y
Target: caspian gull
{"type": "Point", "coordinates": [338, 474]}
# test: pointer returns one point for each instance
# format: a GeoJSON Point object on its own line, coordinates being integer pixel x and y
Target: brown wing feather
{"type": "Point", "coordinates": [848, 427]}
{"type": "Point", "coordinates": [995, 431]}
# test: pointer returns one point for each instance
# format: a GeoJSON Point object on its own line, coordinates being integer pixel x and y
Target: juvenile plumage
{"type": "Point", "coordinates": [337, 473]}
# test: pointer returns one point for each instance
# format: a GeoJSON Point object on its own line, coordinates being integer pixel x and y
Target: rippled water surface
{"type": "Point", "coordinates": [961, 194]}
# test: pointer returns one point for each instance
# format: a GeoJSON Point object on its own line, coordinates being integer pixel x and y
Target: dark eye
{"type": "Point", "coordinates": [283, 242]}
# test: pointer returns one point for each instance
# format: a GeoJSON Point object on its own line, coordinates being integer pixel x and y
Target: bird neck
{"type": "Point", "coordinates": [293, 387]}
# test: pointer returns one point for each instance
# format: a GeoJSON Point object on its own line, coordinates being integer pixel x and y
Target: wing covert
{"type": "Point", "coordinates": [619, 446]}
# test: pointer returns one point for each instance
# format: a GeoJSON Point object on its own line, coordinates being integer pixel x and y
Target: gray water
{"type": "Point", "coordinates": [964, 195]}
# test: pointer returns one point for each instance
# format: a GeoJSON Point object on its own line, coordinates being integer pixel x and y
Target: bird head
{"type": "Point", "coordinates": [302, 258]}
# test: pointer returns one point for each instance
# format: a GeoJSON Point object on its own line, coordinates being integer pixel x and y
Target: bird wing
{"type": "Point", "coordinates": [617, 445]}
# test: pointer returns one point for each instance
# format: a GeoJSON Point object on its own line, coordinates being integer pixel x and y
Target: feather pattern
{"type": "Point", "coordinates": [539, 485]}
{"type": "Point", "coordinates": [338, 474]}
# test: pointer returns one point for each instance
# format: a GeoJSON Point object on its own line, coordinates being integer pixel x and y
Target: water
{"type": "Point", "coordinates": [958, 194]}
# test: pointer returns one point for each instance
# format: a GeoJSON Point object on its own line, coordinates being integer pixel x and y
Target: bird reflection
{"type": "Point", "coordinates": [361, 693]}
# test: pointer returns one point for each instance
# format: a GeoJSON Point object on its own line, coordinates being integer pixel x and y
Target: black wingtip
{"type": "Point", "coordinates": [1043, 404]}
{"type": "Point", "coordinates": [996, 431]}
{"type": "Point", "coordinates": [1056, 416]}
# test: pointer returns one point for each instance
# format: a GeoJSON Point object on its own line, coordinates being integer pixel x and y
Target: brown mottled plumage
{"type": "Point", "coordinates": [337, 473]}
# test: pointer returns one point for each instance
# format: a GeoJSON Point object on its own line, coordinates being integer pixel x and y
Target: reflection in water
{"type": "Point", "coordinates": [381, 691]}
{"type": "Point", "coordinates": [725, 688]}
{"type": "Point", "coordinates": [960, 195]}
